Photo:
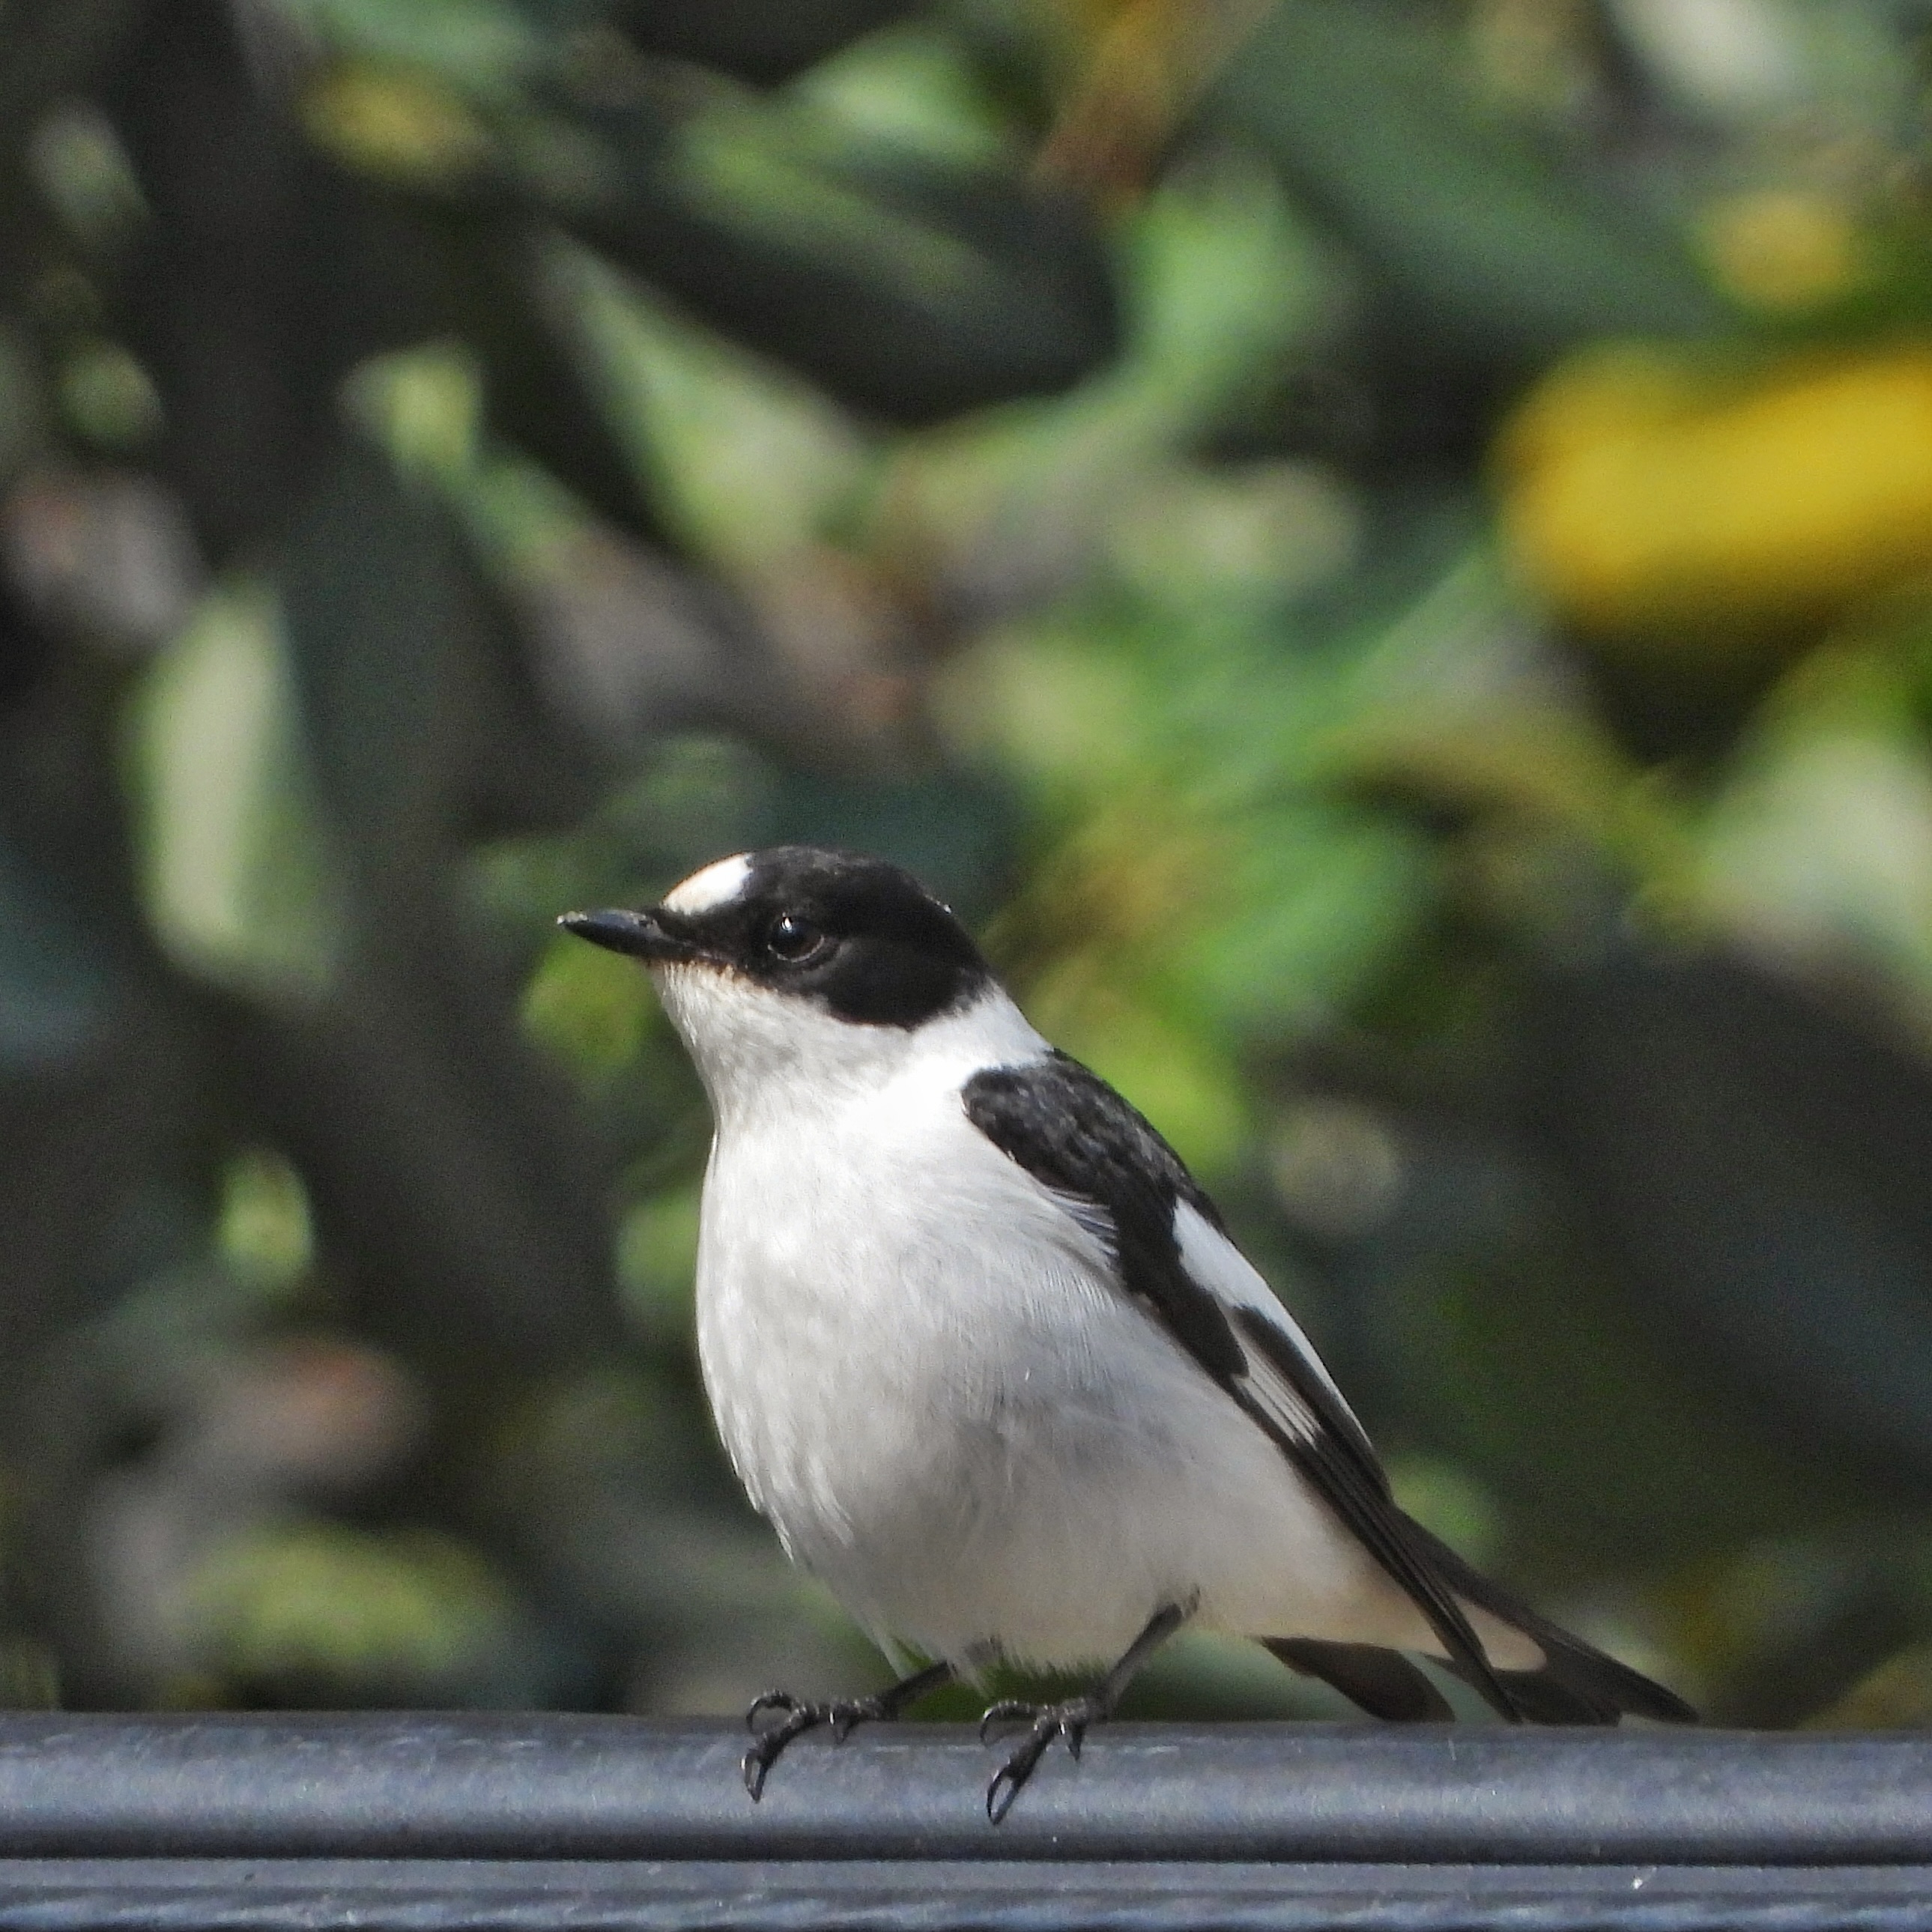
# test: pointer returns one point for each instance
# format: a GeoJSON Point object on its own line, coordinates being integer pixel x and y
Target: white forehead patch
{"type": "Point", "coordinates": [719, 882]}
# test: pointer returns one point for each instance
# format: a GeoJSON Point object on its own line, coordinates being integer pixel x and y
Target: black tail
{"type": "Point", "coordinates": [1384, 1683]}
{"type": "Point", "coordinates": [1576, 1685]}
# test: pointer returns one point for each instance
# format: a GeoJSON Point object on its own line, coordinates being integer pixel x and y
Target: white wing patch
{"type": "Point", "coordinates": [1227, 1275]}
{"type": "Point", "coordinates": [1093, 1220]}
{"type": "Point", "coordinates": [721, 880]}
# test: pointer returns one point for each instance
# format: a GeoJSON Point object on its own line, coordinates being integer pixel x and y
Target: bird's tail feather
{"type": "Point", "coordinates": [1384, 1683]}
{"type": "Point", "coordinates": [1577, 1683]}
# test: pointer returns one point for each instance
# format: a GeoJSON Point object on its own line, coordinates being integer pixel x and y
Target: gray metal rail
{"type": "Point", "coordinates": [546, 1821]}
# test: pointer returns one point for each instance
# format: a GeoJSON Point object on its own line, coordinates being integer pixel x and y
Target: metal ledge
{"type": "Point", "coordinates": [570, 1787]}
{"type": "Point", "coordinates": [93, 1895]}
{"type": "Point", "coordinates": [548, 1821]}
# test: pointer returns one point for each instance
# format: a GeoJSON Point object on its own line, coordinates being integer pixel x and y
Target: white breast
{"type": "Point", "coordinates": [852, 1339]}
{"type": "Point", "coordinates": [927, 1380]}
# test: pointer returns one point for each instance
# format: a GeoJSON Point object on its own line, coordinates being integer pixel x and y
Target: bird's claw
{"type": "Point", "coordinates": [847, 1716]}
{"type": "Point", "coordinates": [1044, 1723]}
{"type": "Point", "coordinates": [1008, 1711]}
{"type": "Point", "coordinates": [796, 1716]}
{"type": "Point", "coordinates": [772, 1700]}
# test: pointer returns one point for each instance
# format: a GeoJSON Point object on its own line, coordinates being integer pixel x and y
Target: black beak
{"type": "Point", "coordinates": [644, 935]}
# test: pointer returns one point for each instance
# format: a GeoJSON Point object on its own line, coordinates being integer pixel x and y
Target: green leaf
{"type": "Point", "coordinates": [756, 40]}
{"type": "Point", "coordinates": [539, 392]}
{"type": "Point", "coordinates": [1496, 249]}
{"type": "Point", "coordinates": [747, 461]}
{"type": "Point", "coordinates": [239, 868]}
{"type": "Point", "coordinates": [483, 45]}
{"type": "Point", "coordinates": [909, 285]}
{"type": "Point", "coordinates": [321, 1612]}
{"type": "Point", "coordinates": [1817, 847]}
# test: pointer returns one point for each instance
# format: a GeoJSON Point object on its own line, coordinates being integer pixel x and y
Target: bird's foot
{"type": "Point", "coordinates": [795, 1717]}
{"type": "Point", "coordinates": [1042, 1723]}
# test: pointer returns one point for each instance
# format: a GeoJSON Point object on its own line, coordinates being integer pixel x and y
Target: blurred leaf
{"type": "Point", "coordinates": [914, 85]}
{"type": "Point", "coordinates": [482, 47]}
{"type": "Point", "coordinates": [321, 1613]}
{"type": "Point", "coordinates": [1747, 62]}
{"type": "Point", "coordinates": [909, 286]}
{"type": "Point", "coordinates": [107, 397]}
{"type": "Point", "coordinates": [396, 126]}
{"type": "Point", "coordinates": [423, 406]}
{"type": "Point", "coordinates": [537, 393]}
{"type": "Point", "coordinates": [1143, 66]}
{"type": "Point", "coordinates": [594, 1017]}
{"type": "Point", "coordinates": [657, 1262]}
{"type": "Point", "coordinates": [241, 873]}
{"type": "Point", "coordinates": [585, 643]}
{"type": "Point", "coordinates": [1817, 848]}
{"type": "Point", "coordinates": [1501, 254]}
{"type": "Point", "coordinates": [263, 1230]}
{"type": "Point", "coordinates": [1317, 900]}
{"type": "Point", "coordinates": [756, 39]}
{"type": "Point", "coordinates": [80, 166]}
{"type": "Point", "coordinates": [1544, 762]}
{"type": "Point", "coordinates": [1787, 250]}
{"type": "Point", "coordinates": [748, 461]}
{"type": "Point", "coordinates": [1007, 510]}
{"type": "Point", "coordinates": [1255, 534]}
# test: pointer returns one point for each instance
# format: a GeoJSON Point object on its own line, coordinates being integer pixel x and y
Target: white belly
{"type": "Point", "coordinates": [969, 1451]}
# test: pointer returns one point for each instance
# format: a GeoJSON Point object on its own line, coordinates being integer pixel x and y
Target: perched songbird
{"type": "Point", "coordinates": [983, 1353]}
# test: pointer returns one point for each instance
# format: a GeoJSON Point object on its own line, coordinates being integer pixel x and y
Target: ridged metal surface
{"type": "Point", "coordinates": [544, 1821]}
{"type": "Point", "coordinates": [896, 1896]}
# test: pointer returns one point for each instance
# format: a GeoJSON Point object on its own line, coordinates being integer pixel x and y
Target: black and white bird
{"type": "Point", "coordinates": [982, 1352]}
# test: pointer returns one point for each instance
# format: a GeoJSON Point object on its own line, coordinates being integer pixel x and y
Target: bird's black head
{"type": "Point", "coordinates": [863, 939]}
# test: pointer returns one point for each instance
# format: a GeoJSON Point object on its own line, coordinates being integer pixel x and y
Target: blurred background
{"type": "Point", "coordinates": [1379, 552]}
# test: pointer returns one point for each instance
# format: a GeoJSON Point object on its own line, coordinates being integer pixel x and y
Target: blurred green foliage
{"type": "Point", "coordinates": [1377, 550]}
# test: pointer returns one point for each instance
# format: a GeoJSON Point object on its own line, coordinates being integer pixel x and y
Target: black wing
{"type": "Point", "coordinates": [1076, 1136]}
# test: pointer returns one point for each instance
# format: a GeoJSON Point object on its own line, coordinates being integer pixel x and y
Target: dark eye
{"type": "Point", "coordinates": [792, 939]}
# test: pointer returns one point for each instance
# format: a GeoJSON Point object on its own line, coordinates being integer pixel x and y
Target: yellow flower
{"type": "Point", "coordinates": [1640, 497]}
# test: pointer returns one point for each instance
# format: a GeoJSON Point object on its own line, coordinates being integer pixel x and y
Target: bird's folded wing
{"type": "Point", "coordinates": [1084, 1143]}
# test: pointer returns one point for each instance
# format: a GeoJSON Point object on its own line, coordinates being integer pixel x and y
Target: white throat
{"type": "Point", "coordinates": [761, 1053]}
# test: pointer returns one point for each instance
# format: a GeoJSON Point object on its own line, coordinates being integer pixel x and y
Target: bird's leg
{"type": "Point", "coordinates": [1045, 1722]}
{"type": "Point", "coordinates": [797, 1715]}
